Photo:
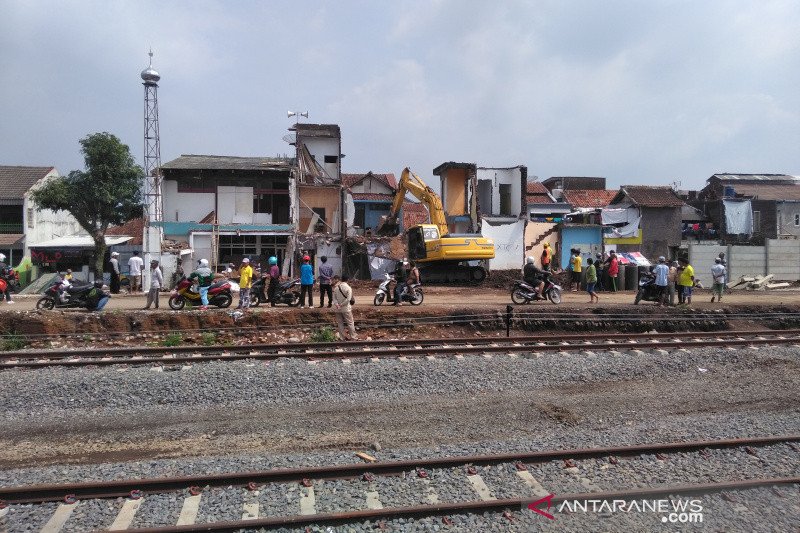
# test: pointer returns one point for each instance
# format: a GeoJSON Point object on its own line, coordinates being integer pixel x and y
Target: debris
{"type": "Point", "coordinates": [366, 457]}
{"type": "Point", "coordinates": [761, 281]}
{"type": "Point", "coordinates": [780, 285]}
{"type": "Point", "coordinates": [703, 370]}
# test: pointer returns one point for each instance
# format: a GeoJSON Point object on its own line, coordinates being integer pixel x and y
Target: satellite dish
{"type": "Point", "coordinates": [290, 138]}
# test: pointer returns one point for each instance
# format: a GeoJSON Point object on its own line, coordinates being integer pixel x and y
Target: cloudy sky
{"type": "Point", "coordinates": [645, 92]}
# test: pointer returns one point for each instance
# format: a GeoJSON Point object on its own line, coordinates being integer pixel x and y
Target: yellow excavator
{"type": "Point", "coordinates": [441, 256]}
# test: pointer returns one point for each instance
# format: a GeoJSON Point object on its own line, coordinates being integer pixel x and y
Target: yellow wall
{"type": "Point", "coordinates": [455, 195]}
{"type": "Point", "coordinates": [319, 196]}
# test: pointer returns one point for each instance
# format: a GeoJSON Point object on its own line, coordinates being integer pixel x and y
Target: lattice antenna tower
{"type": "Point", "coordinates": [152, 146]}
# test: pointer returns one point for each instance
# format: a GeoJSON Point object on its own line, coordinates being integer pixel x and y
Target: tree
{"type": "Point", "coordinates": [107, 192]}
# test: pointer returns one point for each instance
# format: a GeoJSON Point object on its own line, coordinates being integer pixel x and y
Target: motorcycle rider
{"type": "Point", "coordinates": [401, 274]}
{"type": "Point", "coordinates": [7, 275]}
{"type": "Point", "coordinates": [204, 277]}
{"type": "Point", "coordinates": [533, 276]}
{"type": "Point", "coordinates": [97, 298]}
{"type": "Point", "coordinates": [274, 279]}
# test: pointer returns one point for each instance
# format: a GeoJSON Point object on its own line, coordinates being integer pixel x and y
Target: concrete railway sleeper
{"type": "Point", "coordinates": [428, 477]}
{"type": "Point", "coordinates": [395, 348]}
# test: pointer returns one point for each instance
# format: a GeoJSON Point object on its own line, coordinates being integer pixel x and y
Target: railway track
{"type": "Point", "coordinates": [421, 488]}
{"type": "Point", "coordinates": [360, 350]}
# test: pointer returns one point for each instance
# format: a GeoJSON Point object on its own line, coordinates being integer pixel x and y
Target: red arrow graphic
{"type": "Point", "coordinates": [534, 506]}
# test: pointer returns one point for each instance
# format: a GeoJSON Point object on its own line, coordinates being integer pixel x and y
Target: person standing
{"type": "Point", "coordinates": [613, 270]}
{"type": "Point", "coordinates": [662, 279]}
{"type": "Point", "coordinates": [245, 282]}
{"type": "Point", "coordinates": [325, 280]}
{"type": "Point", "coordinates": [599, 267]}
{"type": "Point", "coordinates": [135, 265]}
{"type": "Point", "coordinates": [591, 281]}
{"type": "Point", "coordinates": [306, 282]}
{"type": "Point", "coordinates": [569, 268]}
{"type": "Point", "coordinates": [343, 300]}
{"type": "Point", "coordinates": [672, 282]}
{"type": "Point", "coordinates": [547, 255]}
{"type": "Point", "coordinates": [719, 273]}
{"type": "Point", "coordinates": [156, 281]}
{"type": "Point", "coordinates": [7, 276]}
{"type": "Point", "coordinates": [274, 279]}
{"type": "Point", "coordinates": [204, 277]}
{"type": "Point", "coordinates": [685, 281]}
{"type": "Point", "coordinates": [114, 272]}
{"type": "Point", "coordinates": [577, 269]}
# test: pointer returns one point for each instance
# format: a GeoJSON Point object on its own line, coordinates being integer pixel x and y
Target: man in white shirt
{"type": "Point", "coordinates": [662, 279]}
{"type": "Point", "coordinates": [718, 273]}
{"type": "Point", "coordinates": [135, 265]}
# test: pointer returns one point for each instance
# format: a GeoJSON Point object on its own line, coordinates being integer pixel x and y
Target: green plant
{"type": "Point", "coordinates": [172, 339]}
{"type": "Point", "coordinates": [208, 338]}
{"type": "Point", "coordinates": [13, 342]}
{"type": "Point", "coordinates": [323, 334]}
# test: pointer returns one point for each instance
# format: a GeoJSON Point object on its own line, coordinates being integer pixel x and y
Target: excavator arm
{"type": "Point", "coordinates": [413, 184]}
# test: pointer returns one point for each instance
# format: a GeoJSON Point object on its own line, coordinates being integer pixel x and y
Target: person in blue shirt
{"type": "Point", "coordinates": [662, 273]}
{"type": "Point", "coordinates": [306, 282]}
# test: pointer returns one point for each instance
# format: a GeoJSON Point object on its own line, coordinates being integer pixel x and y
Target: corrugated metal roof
{"type": "Point", "coordinates": [767, 191]}
{"type": "Point", "coordinates": [756, 177]}
{"type": "Point", "coordinates": [316, 130]}
{"type": "Point", "coordinates": [16, 181]}
{"type": "Point", "coordinates": [10, 239]}
{"type": "Point", "coordinates": [373, 196]}
{"type": "Point", "coordinates": [223, 162]}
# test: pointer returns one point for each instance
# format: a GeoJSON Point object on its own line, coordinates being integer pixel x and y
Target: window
{"type": "Point", "coordinates": [262, 203]}
{"type": "Point", "coordinates": [30, 218]}
{"type": "Point", "coordinates": [331, 159]}
{"type": "Point", "coordinates": [797, 220]}
{"type": "Point", "coordinates": [757, 221]}
{"type": "Point", "coordinates": [275, 201]}
{"type": "Point", "coordinates": [320, 225]}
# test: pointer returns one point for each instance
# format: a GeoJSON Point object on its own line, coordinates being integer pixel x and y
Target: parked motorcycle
{"type": "Point", "coordinates": [258, 291]}
{"type": "Point", "coordinates": [385, 293]}
{"type": "Point", "coordinates": [648, 290]}
{"type": "Point", "coordinates": [285, 294]}
{"type": "Point", "coordinates": [219, 294]}
{"type": "Point", "coordinates": [523, 292]}
{"type": "Point", "coordinates": [56, 296]}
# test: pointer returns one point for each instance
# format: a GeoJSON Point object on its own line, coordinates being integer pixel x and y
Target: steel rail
{"type": "Point", "coordinates": [496, 346]}
{"type": "Point", "coordinates": [349, 345]}
{"type": "Point", "coordinates": [121, 488]}
{"type": "Point", "coordinates": [474, 506]}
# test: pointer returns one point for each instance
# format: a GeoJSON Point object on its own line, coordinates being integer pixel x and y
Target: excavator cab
{"type": "Point", "coordinates": [416, 242]}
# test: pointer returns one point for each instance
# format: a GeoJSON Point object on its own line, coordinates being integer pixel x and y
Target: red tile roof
{"type": "Point", "coordinates": [348, 180]}
{"type": "Point", "coordinates": [413, 214]}
{"type": "Point", "coordinates": [537, 193]}
{"type": "Point", "coordinates": [16, 181]}
{"type": "Point", "coordinates": [594, 198]}
{"type": "Point", "coordinates": [133, 228]}
{"type": "Point", "coordinates": [373, 196]}
{"type": "Point", "coordinates": [650, 196]}
{"type": "Point", "coordinates": [10, 239]}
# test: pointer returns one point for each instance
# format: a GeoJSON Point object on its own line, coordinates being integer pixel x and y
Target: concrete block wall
{"type": "Point", "coordinates": [701, 257]}
{"type": "Point", "coordinates": [783, 259]}
{"type": "Point", "coordinates": [746, 261]}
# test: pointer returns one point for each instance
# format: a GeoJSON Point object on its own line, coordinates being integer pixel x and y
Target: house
{"type": "Point", "coordinates": [372, 195]}
{"type": "Point", "coordinates": [23, 227]}
{"type": "Point", "coordinates": [226, 208]}
{"type": "Point", "coordinates": [751, 207]}
{"type": "Point", "coordinates": [489, 200]}
{"type": "Point", "coordinates": [645, 219]}
{"type": "Point", "coordinates": [545, 215]}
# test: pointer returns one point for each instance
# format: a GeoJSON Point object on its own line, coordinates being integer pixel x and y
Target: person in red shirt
{"type": "Point", "coordinates": [613, 269]}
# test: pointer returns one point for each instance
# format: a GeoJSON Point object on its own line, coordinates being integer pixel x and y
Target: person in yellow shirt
{"type": "Point", "coordinates": [577, 269]}
{"type": "Point", "coordinates": [245, 282]}
{"type": "Point", "coordinates": [685, 281]}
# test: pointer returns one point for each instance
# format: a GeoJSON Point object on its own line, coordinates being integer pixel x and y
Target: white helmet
{"type": "Point", "coordinates": [203, 262]}
{"type": "Point", "coordinates": [2, 257]}
{"type": "Point", "coordinates": [529, 260]}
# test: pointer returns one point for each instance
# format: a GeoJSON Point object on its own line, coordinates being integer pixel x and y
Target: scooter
{"type": "Point", "coordinates": [648, 290]}
{"type": "Point", "coordinates": [523, 292]}
{"type": "Point", "coordinates": [64, 296]}
{"type": "Point", "coordinates": [258, 291]}
{"type": "Point", "coordinates": [285, 295]}
{"type": "Point", "coordinates": [413, 294]}
{"type": "Point", "coordinates": [219, 294]}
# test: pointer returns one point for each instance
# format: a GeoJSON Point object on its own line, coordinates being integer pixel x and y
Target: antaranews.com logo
{"type": "Point", "coordinates": [671, 511]}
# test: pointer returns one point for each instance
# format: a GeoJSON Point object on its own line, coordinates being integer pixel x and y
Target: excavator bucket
{"type": "Point", "coordinates": [387, 227]}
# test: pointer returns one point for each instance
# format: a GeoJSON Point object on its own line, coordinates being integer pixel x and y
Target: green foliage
{"type": "Point", "coordinates": [209, 338]}
{"type": "Point", "coordinates": [172, 339]}
{"type": "Point", "coordinates": [323, 334]}
{"type": "Point", "coordinates": [108, 191]}
{"type": "Point", "coordinates": [13, 342]}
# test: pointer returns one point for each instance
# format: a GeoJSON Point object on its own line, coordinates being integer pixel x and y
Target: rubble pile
{"type": "Point", "coordinates": [758, 283]}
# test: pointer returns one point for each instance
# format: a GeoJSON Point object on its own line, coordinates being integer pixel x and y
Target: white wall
{"type": "Point", "coordinates": [47, 224]}
{"type": "Point", "coordinates": [236, 206]}
{"type": "Point", "coordinates": [509, 244]}
{"type": "Point", "coordinates": [372, 185]}
{"type": "Point", "coordinates": [783, 259]}
{"type": "Point", "coordinates": [186, 206]}
{"type": "Point", "coordinates": [201, 244]}
{"type": "Point", "coordinates": [701, 257]}
{"type": "Point", "coordinates": [319, 148]}
{"type": "Point", "coordinates": [504, 176]}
